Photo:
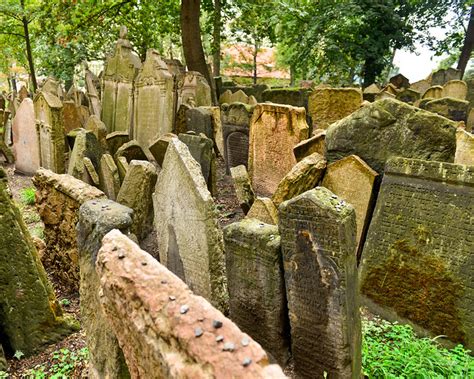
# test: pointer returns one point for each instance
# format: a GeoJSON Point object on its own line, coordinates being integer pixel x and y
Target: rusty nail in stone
{"type": "Point", "coordinates": [184, 309]}
{"type": "Point", "coordinates": [228, 346]}
{"type": "Point", "coordinates": [172, 298]}
{"type": "Point", "coordinates": [245, 341]}
{"type": "Point", "coordinates": [217, 324]}
{"type": "Point", "coordinates": [246, 362]}
{"type": "Point", "coordinates": [219, 338]}
{"type": "Point", "coordinates": [121, 255]}
{"type": "Point", "coordinates": [198, 332]}
{"type": "Point", "coordinates": [144, 263]}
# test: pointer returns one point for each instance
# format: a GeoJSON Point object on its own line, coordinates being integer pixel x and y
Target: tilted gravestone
{"type": "Point", "coordinates": [274, 131]}
{"type": "Point", "coordinates": [464, 148]}
{"type": "Point", "coordinates": [109, 178]}
{"type": "Point", "coordinates": [30, 315]}
{"type": "Point", "coordinates": [314, 144]}
{"type": "Point", "coordinates": [264, 210]}
{"type": "Point", "coordinates": [417, 262]}
{"type": "Point", "coordinates": [318, 242]}
{"type": "Point", "coordinates": [49, 123]}
{"type": "Point", "coordinates": [153, 109]}
{"type": "Point", "coordinates": [442, 76]}
{"type": "Point", "coordinates": [117, 88]}
{"type": "Point", "coordinates": [188, 234]}
{"type": "Point", "coordinates": [100, 131]}
{"type": "Point", "coordinates": [115, 140]}
{"type": "Point", "coordinates": [25, 139]}
{"type": "Point", "coordinates": [256, 286]}
{"type": "Point", "coordinates": [199, 120]}
{"type": "Point", "coordinates": [159, 146]}
{"type": "Point", "coordinates": [85, 145]}
{"type": "Point", "coordinates": [449, 107]}
{"type": "Point", "coordinates": [243, 187]}
{"type": "Point", "coordinates": [131, 150]}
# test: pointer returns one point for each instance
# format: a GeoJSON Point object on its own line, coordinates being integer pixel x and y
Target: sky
{"type": "Point", "coordinates": [416, 67]}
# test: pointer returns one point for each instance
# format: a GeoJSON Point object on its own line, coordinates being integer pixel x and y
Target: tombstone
{"type": "Point", "coordinates": [408, 95]}
{"type": "Point", "coordinates": [327, 105]}
{"type": "Point", "coordinates": [22, 94]}
{"type": "Point", "coordinates": [175, 67]}
{"type": "Point", "coordinates": [435, 92]}
{"type": "Point", "coordinates": [417, 259]}
{"type": "Point", "coordinates": [393, 129]}
{"type": "Point", "coordinates": [400, 81]}
{"type": "Point", "coordinates": [314, 144]}
{"type": "Point", "coordinates": [194, 90]}
{"type": "Point", "coordinates": [217, 135]}
{"type": "Point", "coordinates": [90, 175]}
{"type": "Point", "coordinates": [136, 193]}
{"type": "Point", "coordinates": [226, 97]}
{"type": "Point", "coordinates": [100, 131]}
{"type": "Point", "coordinates": [31, 316]}
{"type": "Point", "coordinates": [115, 140]}
{"type": "Point", "coordinates": [318, 242]}
{"type": "Point", "coordinates": [264, 210]}
{"type": "Point", "coordinates": [353, 180]}
{"type": "Point", "coordinates": [464, 148]}
{"type": "Point", "coordinates": [243, 187]}
{"type": "Point", "coordinates": [122, 166]}
{"type": "Point", "coordinates": [120, 71]}
{"type": "Point", "coordinates": [71, 116]}
{"type": "Point", "coordinates": [257, 300]}
{"type": "Point", "coordinates": [52, 86]}
{"type": "Point", "coordinates": [49, 123]}
{"type": "Point", "coordinates": [109, 176]}
{"type": "Point", "coordinates": [85, 145]}
{"type": "Point", "coordinates": [180, 124]}
{"type": "Point", "coordinates": [456, 89]}
{"type": "Point", "coordinates": [158, 147]}
{"type": "Point", "coordinates": [188, 234]}
{"type": "Point", "coordinates": [131, 150]}
{"type": "Point", "coordinates": [384, 95]}
{"type": "Point", "coordinates": [199, 120]}
{"type": "Point", "coordinates": [26, 147]}
{"type": "Point", "coordinates": [202, 150]}
{"type": "Point", "coordinates": [420, 86]}
{"type": "Point", "coordinates": [274, 130]}
{"type": "Point", "coordinates": [93, 87]}
{"type": "Point", "coordinates": [391, 89]}
{"type": "Point", "coordinates": [297, 97]}
{"type": "Point", "coordinates": [370, 92]}
{"type": "Point", "coordinates": [454, 109]}
{"type": "Point", "coordinates": [153, 109]}
{"type": "Point", "coordinates": [302, 177]}
{"type": "Point", "coordinates": [442, 76]}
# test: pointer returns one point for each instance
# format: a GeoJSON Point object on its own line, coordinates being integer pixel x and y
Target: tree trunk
{"type": "Point", "coordinates": [255, 52]}
{"type": "Point", "coordinates": [468, 45]}
{"type": "Point", "coordinates": [216, 39]}
{"type": "Point", "coordinates": [28, 48]}
{"type": "Point", "coordinates": [370, 72]}
{"type": "Point", "coordinates": [292, 75]}
{"type": "Point", "coordinates": [191, 37]}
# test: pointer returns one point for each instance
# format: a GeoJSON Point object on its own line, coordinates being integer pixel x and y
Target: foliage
{"type": "Point", "coordinates": [28, 196]}
{"type": "Point", "coordinates": [390, 350]}
{"type": "Point", "coordinates": [64, 364]}
{"type": "Point", "coordinates": [18, 354]}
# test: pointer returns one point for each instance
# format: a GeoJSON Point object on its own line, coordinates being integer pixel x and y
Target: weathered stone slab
{"type": "Point", "coordinates": [109, 176]}
{"type": "Point", "coordinates": [456, 89]}
{"type": "Point", "coordinates": [434, 92]}
{"type": "Point", "coordinates": [202, 150]}
{"type": "Point", "coordinates": [90, 176]}
{"type": "Point", "coordinates": [186, 219]}
{"type": "Point", "coordinates": [194, 90]}
{"type": "Point", "coordinates": [93, 89]}
{"type": "Point", "coordinates": [131, 151]}
{"type": "Point", "coordinates": [243, 187]}
{"type": "Point", "coordinates": [199, 120]}
{"type": "Point", "coordinates": [115, 140]}
{"type": "Point", "coordinates": [122, 166]}
{"type": "Point", "coordinates": [409, 96]}
{"type": "Point", "coordinates": [256, 285]}
{"type": "Point", "coordinates": [400, 81]}
{"type": "Point", "coordinates": [96, 219]}
{"type": "Point", "coordinates": [153, 109]}
{"type": "Point", "coordinates": [26, 147]}
{"type": "Point", "coordinates": [303, 176]}
{"type": "Point", "coordinates": [328, 105]}
{"type": "Point", "coordinates": [297, 97]}
{"type": "Point", "coordinates": [389, 128]}
{"type": "Point", "coordinates": [218, 136]}
{"type": "Point", "coordinates": [31, 317]}
{"type": "Point", "coordinates": [420, 86]}
{"type": "Point", "coordinates": [71, 116]}
{"type": "Point", "coordinates": [384, 95]}
{"type": "Point", "coordinates": [442, 76]}
{"type": "Point", "coordinates": [317, 232]}
{"type": "Point", "coordinates": [100, 131]}
{"type": "Point", "coordinates": [58, 198]}
{"type": "Point", "coordinates": [314, 144]}
{"type": "Point", "coordinates": [85, 145]}
{"type": "Point", "coordinates": [136, 193]}
{"type": "Point", "coordinates": [264, 210]}
{"type": "Point", "coordinates": [165, 321]}
{"type": "Point", "coordinates": [369, 92]}
{"type": "Point", "coordinates": [274, 130]}
{"type": "Point", "coordinates": [180, 124]}
{"type": "Point", "coordinates": [353, 180]}
{"type": "Point", "coordinates": [158, 147]}
{"type": "Point", "coordinates": [464, 148]}
{"type": "Point", "coordinates": [449, 107]}
{"type": "Point", "coordinates": [417, 259]}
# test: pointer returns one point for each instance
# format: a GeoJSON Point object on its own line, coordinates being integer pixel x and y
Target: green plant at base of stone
{"type": "Point", "coordinates": [28, 196]}
{"type": "Point", "coordinates": [64, 364]}
{"type": "Point", "coordinates": [391, 350]}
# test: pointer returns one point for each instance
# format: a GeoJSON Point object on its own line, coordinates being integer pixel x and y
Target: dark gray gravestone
{"type": "Point", "coordinates": [236, 145]}
{"type": "Point", "coordinates": [318, 239]}
{"type": "Point", "coordinates": [199, 120]}
{"type": "Point", "coordinates": [418, 260]}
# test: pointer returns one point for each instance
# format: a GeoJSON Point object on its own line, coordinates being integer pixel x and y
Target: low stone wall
{"type": "Point", "coordinates": [163, 328]}
{"type": "Point", "coordinates": [58, 198]}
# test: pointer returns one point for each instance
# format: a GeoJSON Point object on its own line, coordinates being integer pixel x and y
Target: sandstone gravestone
{"type": "Point", "coordinates": [117, 94]}
{"type": "Point", "coordinates": [49, 123]}
{"type": "Point", "coordinates": [442, 76]}
{"type": "Point", "coordinates": [409, 96]}
{"type": "Point", "coordinates": [274, 130]}
{"type": "Point", "coordinates": [256, 285]}
{"type": "Point", "coordinates": [180, 124]}
{"type": "Point", "coordinates": [153, 109]}
{"type": "Point", "coordinates": [199, 120]}
{"type": "Point", "coordinates": [389, 128]}
{"type": "Point", "coordinates": [353, 180]}
{"type": "Point", "coordinates": [194, 90]}
{"type": "Point", "coordinates": [109, 178]}
{"type": "Point", "coordinates": [448, 107]}
{"type": "Point", "coordinates": [93, 88]}
{"type": "Point", "coordinates": [186, 219]}
{"type": "Point", "coordinates": [136, 193]}
{"type": "Point", "coordinates": [317, 232]}
{"type": "Point", "coordinates": [25, 139]}
{"type": "Point", "coordinates": [52, 86]}
{"type": "Point", "coordinates": [85, 145]}
{"type": "Point", "coordinates": [264, 210]}
{"type": "Point", "coordinates": [217, 130]}
{"type": "Point", "coordinates": [464, 148]}
{"type": "Point", "coordinates": [243, 187]}
{"type": "Point", "coordinates": [122, 166]}
{"type": "Point", "coordinates": [303, 176]}
{"type": "Point", "coordinates": [315, 144]}
{"type": "Point", "coordinates": [400, 81]}
{"type": "Point", "coordinates": [327, 105]}
{"type": "Point", "coordinates": [420, 86]}
{"type": "Point", "coordinates": [417, 259]}
{"type": "Point", "coordinates": [71, 116]}
{"type": "Point", "coordinates": [434, 92]}
{"type": "Point", "coordinates": [370, 92]}
{"type": "Point", "coordinates": [91, 175]}
{"type": "Point", "coordinates": [30, 316]}
{"type": "Point", "coordinates": [158, 147]}
{"type": "Point", "coordinates": [100, 131]}
{"type": "Point", "coordinates": [131, 150]}
{"type": "Point", "coordinates": [456, 89]}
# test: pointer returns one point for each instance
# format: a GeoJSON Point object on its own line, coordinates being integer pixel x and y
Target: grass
{"type": "Point", "coordinates": [28, 196]}
{"type": "Point", "coordinates": [390, 350]}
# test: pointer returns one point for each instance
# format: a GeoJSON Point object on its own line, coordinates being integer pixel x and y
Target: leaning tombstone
{"type": "Point", "coordinates": [109, 176]}
{"type": "Point", "coordinates": [85, 145]}
{"type": "Point", "coordinates": [122, 166]}
{"type": "Point", "coordinates": [408, 95]}
{"type": "Point", "coordinates": [100, 131]}
{"type": "Point", "coordinates": [454, 109]}
{"type": "Point", "coordinates": [131, 150]}
{"type": "Point", "coordinates": [159, 146]}
{"type": "Point", "coordinates": [256, 286]}
{"type": "Point", "coordinates": [115, 140]}
{"type": "Point", "coordinates": [186, 219]}
{"type": "Point", "coordinates": [243, 187]}
{"type": "Point", "coordinates": [199, 120]}
{"type": "Point", "coordinates": [71, 116]}
{"type": "Point", "coordinates": [420, 86]}
{"type": "Point", "coordinates": [318, 231]}
{"type": "Point", "coordinates": [31, 316]}
{"type": "Point", "coordinates": [464, 148]}
{"type": "Point", "coordinates": [416, 262]}
{"type": "Point", "coordinates": [91, 176]}
{"type": "Point", "coordinates": [264, 210]}
{"type": "Point", "coordinates": [314, 144]}
{"type": "Point", "coordinates": [400, 81]}
{"type": "Point", "coordinates": [194, 90]}
{"type": "Point", "coordinates": [369, 92]}
{"type": "Point", "coordinates": [180, 123]}
{"type": "Point", "coordinates": [442, 76]}
{"type": "Point", "coordinates": [25, 139]}
{"type": "Point", "coordinates": [217, 130]}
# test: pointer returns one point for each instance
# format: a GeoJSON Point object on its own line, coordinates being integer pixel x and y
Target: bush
{"type": "Point", "coordinates": [28, 196]}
